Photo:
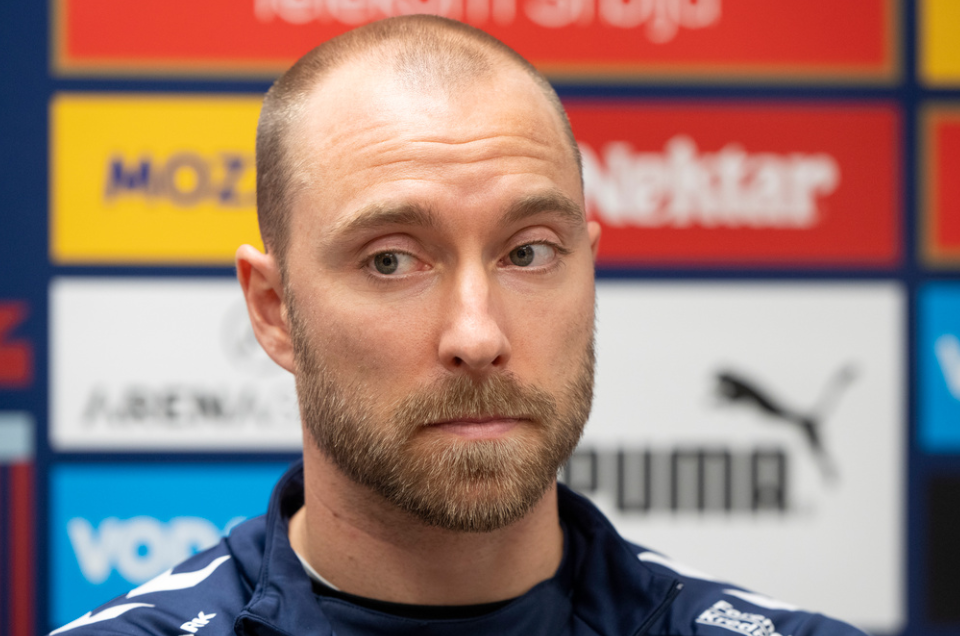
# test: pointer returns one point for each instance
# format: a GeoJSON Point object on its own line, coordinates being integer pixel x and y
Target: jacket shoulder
{"type": "Point", "coordinates": [207, 590]}
{"type": "Point", "coordinates": [706, 606]}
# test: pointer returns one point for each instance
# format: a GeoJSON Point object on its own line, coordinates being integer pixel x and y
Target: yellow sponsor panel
{"type": "Point", "coordinates": [152, 179]}
{"type": "Point", "coordinates": [940, 42]}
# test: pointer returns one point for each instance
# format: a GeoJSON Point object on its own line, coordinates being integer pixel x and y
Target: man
{"type": "Point", "coordinates": [428, 280]}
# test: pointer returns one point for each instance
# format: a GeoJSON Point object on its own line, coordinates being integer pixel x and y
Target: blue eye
{"type": "Point", "coordinates": [531, 254]}
{"type": "Point", "coordinates": [393, 263]}
{"type": "Point", "coordinates": [386, 262]}
{"type": "Point", "coordinates": [522, 256]}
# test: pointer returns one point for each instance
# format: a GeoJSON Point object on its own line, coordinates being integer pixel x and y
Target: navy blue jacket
{"type": "Point", "coordinates": [253, 583]}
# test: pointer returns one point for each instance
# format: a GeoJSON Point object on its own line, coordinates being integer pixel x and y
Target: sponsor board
{"type": "Point", "coordinates": [938, 368]}
{"type": "Point", "coordinates": [16, 353]}
{"type": "Point", "coordinates": [939, 56]}
{"type": "Point", "coordinates": [940, 189]}
{"type": "Point", "coordinates": [756, 433]}
{"type": "Point", "coordinates": [776, 185]}
{"type": "Point", "coordinates": [780, 185]}
{"type": "Point", "coordinates": [115, 526]}
{"type": "Point", "coordinates": [17, 518]}
{"type": "Point", "coordinates": [163, 364]}
{"type": "Point", "coordinates": [152, 179]}
{"type": "Point", "coordinates": [789, 40]}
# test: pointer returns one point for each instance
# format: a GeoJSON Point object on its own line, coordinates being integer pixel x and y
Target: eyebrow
{"type": "Point", "coordinates": [416, 215]}
{"type": "Point", "coordinates": [378, 215]}
{"type": "Point", "coordinates": [551, 201]}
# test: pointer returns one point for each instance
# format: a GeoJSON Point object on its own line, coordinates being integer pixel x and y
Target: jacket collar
{"type": "Point", "coordinates": [283, 602]}
{"type": "Point", "coordinates": [613, 591]}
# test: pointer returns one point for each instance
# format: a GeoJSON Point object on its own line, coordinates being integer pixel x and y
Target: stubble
{"type": "Point", "coordinates": [467, 485]}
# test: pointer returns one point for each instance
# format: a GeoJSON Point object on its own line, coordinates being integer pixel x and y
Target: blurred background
{"type": "Point", "coordinates": [778, 390]}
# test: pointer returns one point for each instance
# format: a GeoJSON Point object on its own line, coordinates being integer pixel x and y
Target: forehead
{"type": "Point", "coordinates": [367, 135]}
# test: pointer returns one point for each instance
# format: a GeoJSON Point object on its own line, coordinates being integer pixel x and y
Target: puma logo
{"type": "Point", "coordinates": [736, 388]}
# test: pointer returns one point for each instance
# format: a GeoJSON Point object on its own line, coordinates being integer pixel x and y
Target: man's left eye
{"type": "Point", "coordinates": [531, 254]}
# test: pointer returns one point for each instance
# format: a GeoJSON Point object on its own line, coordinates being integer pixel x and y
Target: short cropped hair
{"type": "Point", "coordinates": [428, 53]}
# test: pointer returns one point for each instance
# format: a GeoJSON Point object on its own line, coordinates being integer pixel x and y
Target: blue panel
{"type": "Point", "coordinates": [115, 526]}
{"type": "Point", "coordinates": [938, 372]}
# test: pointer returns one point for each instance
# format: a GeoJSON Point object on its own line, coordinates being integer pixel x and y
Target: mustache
{"type": "Point", "coordinates": [459, 397]}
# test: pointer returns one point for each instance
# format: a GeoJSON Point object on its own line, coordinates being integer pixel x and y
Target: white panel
{"type": "Point", "coordinates": [833, 353]}
{"type": "Point", "coordinates": [163, 364]}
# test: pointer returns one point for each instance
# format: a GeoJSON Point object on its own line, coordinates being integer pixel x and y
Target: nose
{"type": "Point", "coordinates": [473, 338]}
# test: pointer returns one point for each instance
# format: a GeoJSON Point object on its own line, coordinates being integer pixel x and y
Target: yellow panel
{"type": "Point", "coordinates": [940, 42]}
{"type": "Point", "coordinates": [152, 179]}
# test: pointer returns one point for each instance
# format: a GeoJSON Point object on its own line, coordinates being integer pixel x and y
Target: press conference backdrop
{"type": "Point", "coordinates": [778, 389]}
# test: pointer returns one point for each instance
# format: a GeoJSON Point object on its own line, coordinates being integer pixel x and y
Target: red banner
{"type": "Point", "coordinates": [587, 39]}
{"type": "Point", "coordinates": [941, 189]}
{"type": "Point", "coordinates": [781, 185]}
{"type": "Point", "coordinates": [22, 543]}
{"type": "Point", "coordinates": [16, 354]}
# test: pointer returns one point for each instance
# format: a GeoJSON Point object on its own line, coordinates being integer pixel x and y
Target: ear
{"type": "Point", "coordinates": [259, 277]}
{"type": "Point", "coordinates": [593, 231]}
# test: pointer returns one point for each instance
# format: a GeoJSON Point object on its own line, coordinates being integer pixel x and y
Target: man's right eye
{"type": "Point", "coordinates": [390, 263]}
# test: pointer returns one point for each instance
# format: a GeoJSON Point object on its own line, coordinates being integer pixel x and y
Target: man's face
{"type": "Point", "coordinates": [439, 286]}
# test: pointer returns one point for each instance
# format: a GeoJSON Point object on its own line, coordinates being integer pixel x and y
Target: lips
{"type": "Point", "coordinates": [478, 427]}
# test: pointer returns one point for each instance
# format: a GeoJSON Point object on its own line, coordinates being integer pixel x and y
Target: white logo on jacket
{"type": "Point", "coordinates": [723, 614]}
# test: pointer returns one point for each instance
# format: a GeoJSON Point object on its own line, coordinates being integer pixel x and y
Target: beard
{"type": "Point", "coordinates": [466, 485]}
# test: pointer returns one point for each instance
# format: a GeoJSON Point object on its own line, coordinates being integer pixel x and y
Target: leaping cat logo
{"type": "Point", "coordinates": [735, 388]}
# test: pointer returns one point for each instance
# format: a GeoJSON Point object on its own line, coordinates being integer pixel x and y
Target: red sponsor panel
{"type": "Point", "coordinates": [781, 185]}
{"type": "Point", "coordinates": [17, 524]}
{"type": "Point", "coordinates": [22, 544]}
{"type": "Point", "coordinates": [941, 178]}
{"type": "Point", "coordinates": [16, 354]}
{"type": "Point", "coordinates": [787, 39]}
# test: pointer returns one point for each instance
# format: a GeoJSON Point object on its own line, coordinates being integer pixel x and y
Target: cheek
{"type": "Point", "coordinates": [554, 335]}
{"type": "Point", "coordinates": [368, 343]}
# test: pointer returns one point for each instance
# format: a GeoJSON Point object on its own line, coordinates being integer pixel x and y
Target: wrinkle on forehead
{"type": "Point", "coordinates": [450, 153]}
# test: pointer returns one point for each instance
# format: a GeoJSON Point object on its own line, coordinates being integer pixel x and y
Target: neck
{"type": "Point", "coordinates": [366, 546]}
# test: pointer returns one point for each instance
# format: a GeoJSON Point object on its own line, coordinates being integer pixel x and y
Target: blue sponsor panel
{"type": "Point", "coordinates": [115, 526]}
{"type": "Point", "coordinates": [938, 368]}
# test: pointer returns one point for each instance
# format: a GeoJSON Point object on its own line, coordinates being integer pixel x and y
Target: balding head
{"type": "Point", "coordinates": [421, 54]}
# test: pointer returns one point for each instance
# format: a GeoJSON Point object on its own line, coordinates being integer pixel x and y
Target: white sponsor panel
{"type": "Point", "coordinates": [756, 432]}
{"type": "Point", "coordinates": [163, 364]}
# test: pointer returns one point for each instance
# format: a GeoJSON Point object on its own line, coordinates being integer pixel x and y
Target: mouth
{"type": "Point", "coordinates": [478, 427]}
